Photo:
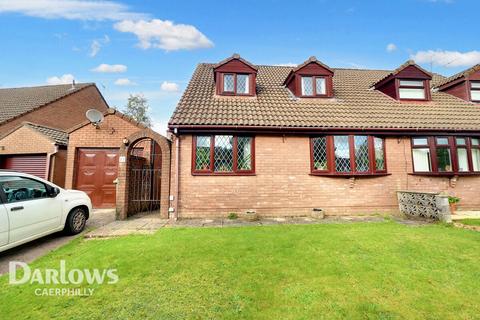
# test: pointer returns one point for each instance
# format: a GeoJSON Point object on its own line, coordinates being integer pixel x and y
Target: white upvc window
{"type": "Point", "coordinates": [412, 89]}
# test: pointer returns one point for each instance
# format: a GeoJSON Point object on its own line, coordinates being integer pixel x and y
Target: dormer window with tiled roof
{"type": "Point", "coordinates": [408, 82]}
{"type": "Point", "coordinates": [464, 85]}
{"type": "Point", "coordinates": [311, 79]}
{"type": "Point", "coordinates": [235, 77]}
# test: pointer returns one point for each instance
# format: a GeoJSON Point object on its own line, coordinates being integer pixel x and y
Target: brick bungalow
{"type": "Point", "coordinates": [284, 140]}
{"type": "Point", "coordinates": [33, 125]}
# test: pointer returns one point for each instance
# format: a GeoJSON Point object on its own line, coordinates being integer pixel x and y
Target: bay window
{"type": "Point", "coordinates": [313, 86]}
{"type": "Point", "coordinates": [475, 91]}
{"type": "Point", "coordinates": [412, 89]}
{"type": "Point", "coordinates": [223, 154]}
{"type": "Point", "coordinates": [446, 155]}
{"type": "Point", "coordinates": [347, 155]}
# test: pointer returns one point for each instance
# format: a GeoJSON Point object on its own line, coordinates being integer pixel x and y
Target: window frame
{"type": "Point", "coordinates": [314, 86]}
{"type": "Point", "coordinates": [424, 87]}
{"type": "Point", "coordinates": [474, 89]}
{"type": "Point", "coordinates": [211, 170]}
{"type": "Point", "coordinates": [234, 92]}
{"type": "Point", "coordinates": [453, 146]}
{"type": "Point", "coordinates": [330, 149]}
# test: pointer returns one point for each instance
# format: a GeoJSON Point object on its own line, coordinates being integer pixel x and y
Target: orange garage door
{"type": "Point", "coordinates": [31, 164]}
{"type": "Point", "coordinates": [96, 169]}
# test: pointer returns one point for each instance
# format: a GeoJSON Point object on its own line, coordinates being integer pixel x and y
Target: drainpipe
{"type": "Point", "coordinates": [177, 175]}
{"type": "Point", "coordinates": [49, 162]}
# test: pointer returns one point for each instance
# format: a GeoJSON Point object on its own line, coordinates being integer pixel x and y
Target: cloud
{"type": "Point", "coordinates": [110, 68]}
{"type": "Point", "coordinates": [391, 47]}
{"type": "Point", "coordinates": [169, 86]}
{"type": "Point", "coordinates": [450, 59]}
{"type": "Point", "coordinates": [165, 34]}
{"type": "Point", "coordinates": [97, 45]}
{"type": "Point", "coordinates": [124, 82]}
{"type": "Point", "coordinates": [65, 79]}
{"type": "Point", "coordinates": [288, 64]}
{"type": "Point", "coordinates": [71, 9]}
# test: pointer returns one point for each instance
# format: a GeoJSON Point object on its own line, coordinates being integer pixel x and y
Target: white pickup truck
{"type": "Point", "coordinates": [32, 208]}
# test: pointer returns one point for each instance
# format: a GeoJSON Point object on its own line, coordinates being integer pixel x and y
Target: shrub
{"type": "Point", "coordinates": [232, 216]}
{"type": "Point", "coordinates": [452, 199]}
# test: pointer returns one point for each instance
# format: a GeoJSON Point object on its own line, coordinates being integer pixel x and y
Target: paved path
{"type": "Point", "coordinates": [37, 248]}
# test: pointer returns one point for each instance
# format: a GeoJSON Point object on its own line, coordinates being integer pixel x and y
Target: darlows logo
{"type": "Point", "coordinates": [61, 276]}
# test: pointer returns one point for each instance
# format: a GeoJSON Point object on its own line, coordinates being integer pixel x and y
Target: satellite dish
{"type": "Point", "coordinates": [94, 116]}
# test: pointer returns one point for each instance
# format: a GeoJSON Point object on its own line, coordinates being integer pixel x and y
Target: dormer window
{"type": "Point", "coordinates": [314, 86]}
{"type": "Point", "coordinates": [235, 77]}
{"type": "Point", "coordinates": [411, 89]}
{"type": "Point", "coordinates": [475, 91]}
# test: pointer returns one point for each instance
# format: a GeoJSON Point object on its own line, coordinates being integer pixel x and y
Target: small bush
{"type": "Point", "coordinates": [452, 199]}
{"type": "Point", "coordinates": [232, 216]}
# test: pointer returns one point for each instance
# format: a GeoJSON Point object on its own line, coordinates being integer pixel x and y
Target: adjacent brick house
{"type": "Point", "coordinates": [283, 140]}
{"type": "Point", "coordinates": [33, 125]}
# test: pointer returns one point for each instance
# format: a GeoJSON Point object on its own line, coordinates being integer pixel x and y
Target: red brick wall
{"type": "Point", "coordinates": [282, 184]}
{"type": "Point", "coordinates": [109, 135]}
{"type": "Point", "coordinates": [64, 113]}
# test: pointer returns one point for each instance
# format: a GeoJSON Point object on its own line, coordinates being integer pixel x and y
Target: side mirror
{"type": "Point", "coordinates": [52, 192]}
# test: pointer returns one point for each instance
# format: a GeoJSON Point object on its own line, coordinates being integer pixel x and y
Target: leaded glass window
{"type": "Point", "coordinates": [307, 86]}
{"type": "Point", "coordinates": [202, 153]}
{"type": "Point", "coordinates": [242, 83]}
{"type": "Point", "coordinates": [342, 153]}
{"type": "Point", "coordinates": [379, 154]}
{"type": "Point", "coordinates": [244, 153]}
{"type": "Point", "coordinates": [223, 155]}
{"type": "Point", "coordinates": [362, 163]}
{"type": "Point", "coordinates": [228, 83]}
{"type": "Point", "coordinates": [320, 153]}
{"type": "Point", "coordinates": [320, 86]}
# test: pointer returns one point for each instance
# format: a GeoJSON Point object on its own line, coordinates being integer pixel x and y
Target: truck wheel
{"type": "Point", "coordinates": [76, 221]}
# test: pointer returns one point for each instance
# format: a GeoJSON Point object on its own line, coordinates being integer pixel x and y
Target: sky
{"type": "Point", "coordinates": [152, 47]}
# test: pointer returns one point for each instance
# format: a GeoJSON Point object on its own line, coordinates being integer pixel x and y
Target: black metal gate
{"type": "Point", "coordinates": [144, 177]}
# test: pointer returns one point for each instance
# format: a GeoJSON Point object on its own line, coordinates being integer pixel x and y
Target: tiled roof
{"type": "Point", "coordinates": [460, 75]}
{"type": "Point", "coordinates": [355, 105]}
{"type": "Point", "coordinates": [17, 101]}
{"type": "Point", "coordinates": [58, 136]}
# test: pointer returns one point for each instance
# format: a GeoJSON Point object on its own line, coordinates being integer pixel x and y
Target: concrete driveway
{"type": "Point", "coordinates": [35, 249]}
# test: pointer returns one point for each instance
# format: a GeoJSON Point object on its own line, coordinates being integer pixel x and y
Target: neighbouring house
{"type": "Point", "coordinates": [284, 140]}
{"type": "Point", "coordinates": [33, 125]}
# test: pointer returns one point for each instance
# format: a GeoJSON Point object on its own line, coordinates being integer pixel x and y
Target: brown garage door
{"type": "Point", "coordinates": [96, 169]}
{"type": "Point", "coordinates": [31, 164]}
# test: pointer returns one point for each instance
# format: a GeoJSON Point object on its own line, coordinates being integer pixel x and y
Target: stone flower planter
{"type": "Point", "coordinates": [318, 213]}
{"type": "Point", "coordinates": [250, 215]}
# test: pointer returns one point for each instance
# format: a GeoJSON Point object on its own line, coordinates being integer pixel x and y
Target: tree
{"type": "Point", "coordinates": [137, 107]}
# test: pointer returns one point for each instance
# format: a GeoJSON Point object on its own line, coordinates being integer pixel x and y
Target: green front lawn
{"type": "Point", "coordinates": [470, 222]}
{"type": "Point", "coordinates": [330, 271]}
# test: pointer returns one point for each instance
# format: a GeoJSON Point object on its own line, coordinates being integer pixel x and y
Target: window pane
{"type": "Point", "coordinates": [407, 93]}
{"type": "Point", "coordinates": [475, 141]}
{"type": "Point", "coordinates": [307, 86]}
{"type": "Point", "coordinates": [444, 160]}
{"type": "Point", "coordinates": [379, 154]}
{"type": "Point", "coordinates": [342, 154]}
{"type": "Point", "coordinates": [242, 83]}
{"type": "Point", "coordinates": [461, 141]}
{"type": "Point", "coordinates": [462, 159]}
{"type": "Point", "coordinates": [442, 141]}
{"type": "Point", "coordinates": [320, 86]}
{"type": "Point", "coordinates": [476, 159]}
{"type": "Point", "coordinates": [320, 153]}
{"type": "Point", "coordinates": [21, 189]}
{"type": "Point", "coordinates": [228, 82]}
{"type": "Point", "coordinates": [421, 160]}
{"type": "Point", "coordinates": [476, 95]}
{"type": "Point", "coordinates": [223, 161]}
{"type": "Point", "coordinates": [362, 164]}
{"type": "Point", "coordinates": [244, 153]}
{"type": "Point", "coordinates": [420, 141]}
{"type": "Point", "coordinates": [411, 83]}
{"type": "Point", "coordinates": [475, 85]}
{"type": "Point", "coordinates": [202, 153]}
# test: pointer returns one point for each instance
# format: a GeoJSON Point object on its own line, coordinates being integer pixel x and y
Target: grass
{"type": "Point", "coordinates": [470, 222]}
{"type": "Point", "coordinates": [330, 271]}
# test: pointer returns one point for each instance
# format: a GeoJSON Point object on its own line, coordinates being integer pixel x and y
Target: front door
{"type": "Point", "coordinates": [95, 174]}
{"type": "Point", "coordinates": [3, 226]}
{"type": "Point", "coordinates": [30, 211]}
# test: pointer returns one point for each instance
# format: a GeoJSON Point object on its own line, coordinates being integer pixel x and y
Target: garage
{"type": "Point", "coordinates": [31, 164]}
{"type": "Point", "coordinates": [96, 170]}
